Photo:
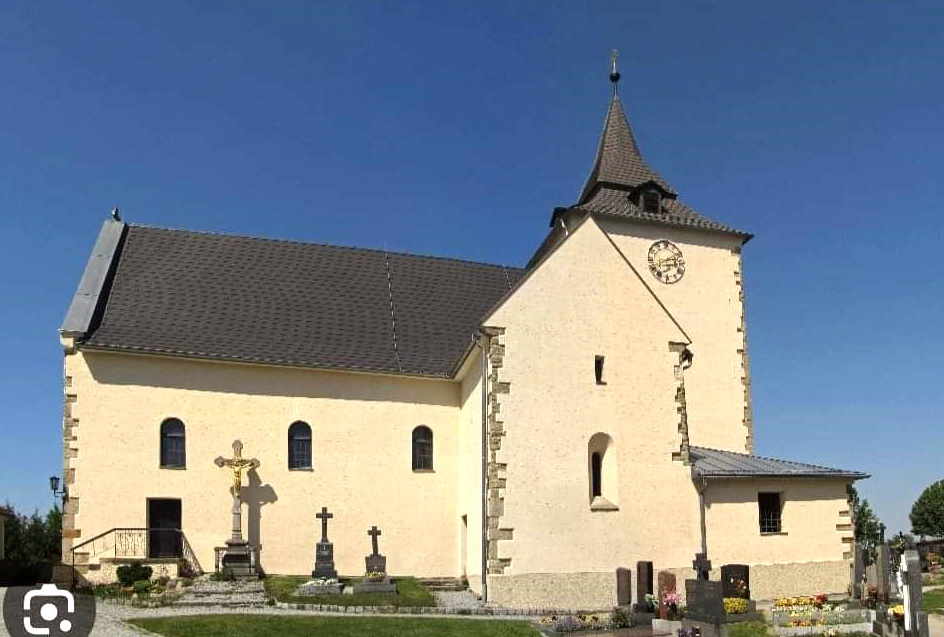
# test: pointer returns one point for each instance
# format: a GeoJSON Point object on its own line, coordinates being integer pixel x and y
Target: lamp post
{"type": "Point", "coordinates": [56, 493]}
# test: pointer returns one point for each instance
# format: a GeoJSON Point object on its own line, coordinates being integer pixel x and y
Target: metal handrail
{"type": "Point", "coordinates": [187, 553]}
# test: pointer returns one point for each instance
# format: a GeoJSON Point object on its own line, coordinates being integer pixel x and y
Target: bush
{"type": "Point", "coordinates": [131, 573]}
{"type": "Point", "coordinates": [142, 587]}
{"type": "Point", "coordinates": [33, 545]}
{"type": "Point", "coordinates": [620, 618]}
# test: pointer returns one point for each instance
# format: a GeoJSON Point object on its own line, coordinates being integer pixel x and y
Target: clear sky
{"type": "Point", "coordinates": [455, 128]}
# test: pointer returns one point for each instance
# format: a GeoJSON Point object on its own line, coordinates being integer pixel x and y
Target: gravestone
{"type": "Point", "coordinates": [666, 582]}
{"type": "Point", "coordinates": [922, 629]}
{"type": "Point", "coordinates": [703, 601]}
{"type": "Point", "coordinates": [883, 575]}
{"type": "Point", "coordinates": [324, 550]}
{"type": "Point", "coordinates": [376, 580]}
{"type": "Point", "coordinates": [736, 580]}
{"type": "Point", "coordinates": [624, 586]}
{"type": "Point", "coordinates": [911, 589]}
{"type": "Point", "coordinates": [643, 585]}
{"type": "Point", "coordinates": [860, 554]}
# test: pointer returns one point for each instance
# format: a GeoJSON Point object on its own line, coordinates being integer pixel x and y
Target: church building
{"type": "Point", "coordinates": [530, 429]}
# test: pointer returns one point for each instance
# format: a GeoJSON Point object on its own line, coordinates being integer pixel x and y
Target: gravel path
{"type": "Point", "coordinates": [456, 599]}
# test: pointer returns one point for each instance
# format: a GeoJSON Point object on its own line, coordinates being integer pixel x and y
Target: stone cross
{"type": "Point", "coordinates": [702, 566]}
{"type": "Point", "coordinates": [238, 464]}
{"type": "Point", "coordinates": [324, 516]}
{"type": "Point", "coordinates": [373, 533]}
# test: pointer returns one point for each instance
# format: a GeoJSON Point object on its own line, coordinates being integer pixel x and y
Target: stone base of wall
{"type": "Point", "coordinates": [770, 581]}
{"type": "Point", "coordinates": [107, 573]}
{"type": "Point", "coordinates": [574, 591]}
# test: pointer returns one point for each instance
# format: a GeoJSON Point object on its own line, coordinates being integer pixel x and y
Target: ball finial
{"type": "Point", "coordinates": [614, 74]}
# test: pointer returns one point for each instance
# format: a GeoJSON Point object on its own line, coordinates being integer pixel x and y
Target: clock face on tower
{"type": "Point", "coordinates": [666, 262]}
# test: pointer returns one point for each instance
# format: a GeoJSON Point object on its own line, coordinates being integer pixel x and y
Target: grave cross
{"type": "Point", "coordinates": [702, 566]}
{"type": "Point", "coordinates": [324, 516]}
{"type": "Point", "coordinates": [373, 533]}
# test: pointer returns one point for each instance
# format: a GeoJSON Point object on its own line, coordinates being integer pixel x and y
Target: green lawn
{"type": "Point", "coordinates": [934, 601]}
{"type": "Point", "coordinates": [409, 593]}
{"type": "Point", "coordinates": [298, 626]}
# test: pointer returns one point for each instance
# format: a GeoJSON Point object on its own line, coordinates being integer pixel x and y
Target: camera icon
{"type": "Point", "coordinates": [48, 611]}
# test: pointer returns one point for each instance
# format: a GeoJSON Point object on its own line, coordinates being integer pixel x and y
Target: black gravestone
{"type": "Point", "coordinates": [703, 601]}
{"type": "Point", "coordinates": [860, 556]}
{"type": "Point", "coordinates": [912, 582]}
{"type": "Point", "coordinates": [736, 580]}
{"type": "Point", "coordinates": [324, 550]}
{"type": "Point", "coordinates": [643, 584]}
{"type": "Point", "coordinates": [883, 569]}
{"type": "Point", "coordinates": [624, 586]}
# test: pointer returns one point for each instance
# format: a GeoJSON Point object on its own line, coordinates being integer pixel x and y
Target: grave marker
{"type": "Point", "coordinates": [736, 580]}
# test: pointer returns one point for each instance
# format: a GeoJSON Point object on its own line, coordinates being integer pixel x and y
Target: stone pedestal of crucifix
{"type": "Point", "coordinates": [376, 579]}
{"type": "Point", "coordinates": [237, 556]}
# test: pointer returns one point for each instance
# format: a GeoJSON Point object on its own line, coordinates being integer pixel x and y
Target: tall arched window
{"type": "Point", "coordinates": [422, 449]}
{"type": "Point", "coordinates": [299, 446]}
{"type": "Point", "coordinates": [602, 473]}
{"type": "Point", "coordinates": [173, 444]}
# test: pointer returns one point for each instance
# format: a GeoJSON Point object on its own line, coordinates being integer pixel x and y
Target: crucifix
{"type": "Point", "coordinates": [324, 516]}
{"type": "Point", "coordinates": [238, 464]}
{"type": "Point", "coordinates": [373, 533]}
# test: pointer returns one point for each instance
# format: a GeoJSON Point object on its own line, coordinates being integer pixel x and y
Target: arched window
{"type": "Point", "coordinates": [173, 444]}
{"type": "Point", "coordinates": [422, 449]}
{"type": "Point", "coordinates": [299, 446]}
{"type": "Point", "coordinates": [602, 473]}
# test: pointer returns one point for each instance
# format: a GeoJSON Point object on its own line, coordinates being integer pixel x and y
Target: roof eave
{"type": "Point", "coordinates": [91, 291]}
{"type": "Point", "coordinates": [744, 236]}
{"type": "Point", "coordinates": [843, 476]}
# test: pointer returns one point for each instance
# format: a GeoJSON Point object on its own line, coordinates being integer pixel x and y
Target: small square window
{"type": "Point", "coordinates": [768, 505]}
{"type": "Point", "coordinates": [598, 370]}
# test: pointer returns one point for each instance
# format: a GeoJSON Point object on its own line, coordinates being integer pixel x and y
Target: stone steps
{"type": "Point", "coordinates": [443, 584]}
{"type": "Point", "coordinates": [248, 594]}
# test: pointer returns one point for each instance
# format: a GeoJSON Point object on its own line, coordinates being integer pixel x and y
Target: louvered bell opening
{"type": "Point", "coordinates": [651, 202]}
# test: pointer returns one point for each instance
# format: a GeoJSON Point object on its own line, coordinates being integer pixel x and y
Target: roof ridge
{"type": "Point", "coordinates": [236, 235]}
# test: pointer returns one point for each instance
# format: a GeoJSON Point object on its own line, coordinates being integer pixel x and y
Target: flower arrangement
{"type": "Point", "coordinates": [671, 598]}
{"type": "Point", "coordinates": [588, 621]}
{"type": "Point", "coordinates": [735, 605]}
{"type": "Point", "coordinates": [650, 602]}
{"type": "Point", "coordinates": [375, 576]}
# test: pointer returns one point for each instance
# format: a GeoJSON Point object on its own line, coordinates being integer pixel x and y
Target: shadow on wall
{"type": "Point", "coordinates": [256, 495]}
{"type": "Point", "coordinates": [258, 380]}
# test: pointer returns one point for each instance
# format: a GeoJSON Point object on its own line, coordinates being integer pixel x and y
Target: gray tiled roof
{"type": "Point", "coordinates": [715, 463]}
{"type": "Point", "coordinates": [261, 300]}
{"type": "Point", "coordinates": [618, 168]}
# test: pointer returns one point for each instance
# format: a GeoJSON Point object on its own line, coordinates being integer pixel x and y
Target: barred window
{"type": "Point", "coordinates": [422, 449]}
{"type": "Point", "coordinates": [768, 505]}
{"type": "Point", "coordinates": [173, 444]}
{"type": "Point", "coordinates": [299, 446]}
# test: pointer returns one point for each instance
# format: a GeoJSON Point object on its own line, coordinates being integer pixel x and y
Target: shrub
{"type": "Point", "coordinates": [142, 587]}
{"type": "Point", "coordinates": [735, 605]}
{"type": "Point", "coordinates": [131, 573]}
{"type": "Point", "coordinates": [620, 618]}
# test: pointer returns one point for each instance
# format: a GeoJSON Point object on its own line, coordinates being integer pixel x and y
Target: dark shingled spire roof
{"type": "Point", "coordinates": [619, 169]}
{"type": "Point", "coordinates": [618, 160]}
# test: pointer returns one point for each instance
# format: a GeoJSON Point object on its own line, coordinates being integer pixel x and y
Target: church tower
{"type": "Point", "coordinates": [691, 263]}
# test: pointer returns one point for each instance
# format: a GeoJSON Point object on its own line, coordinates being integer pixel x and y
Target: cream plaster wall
{"type": "Point", "coordinates": [470, 469]}
{"type": "Point", "coordinates": [361, 426]}
{"type": "Point", "coordinates": [707, 304]}
{"type": "Point", "coordinates": [581, 302]}
{"type": "Point", "coordinates": [811, 512]}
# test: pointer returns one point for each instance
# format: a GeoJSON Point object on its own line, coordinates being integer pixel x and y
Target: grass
{"type": "Point", "coordinates": [749, 629]}
{"type": "Point", "coordinates": [933, 579]}
{"type": "Point", "coordinates": [934, 601]}
{"type": "Point", "coordinates": [409, 593]}
{"type": "Point", "coordinates": [299, 626]}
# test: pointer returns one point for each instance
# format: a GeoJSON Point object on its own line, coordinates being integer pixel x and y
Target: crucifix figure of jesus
{"type": "Point", "coordinates": [373, 533]}
{"type": "Point", "coordinates": [238, 464]}
{"type": "Point", "coordinates": [324, 516]}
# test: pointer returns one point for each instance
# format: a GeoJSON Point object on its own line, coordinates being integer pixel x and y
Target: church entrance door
{"type": "Point", "coordinates": [164, 528]}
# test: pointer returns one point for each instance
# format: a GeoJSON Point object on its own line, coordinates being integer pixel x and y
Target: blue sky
{"type": "Point", "coordinates": [455, 128]}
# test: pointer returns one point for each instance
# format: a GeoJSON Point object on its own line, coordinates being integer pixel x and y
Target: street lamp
{"type": "Point", "coordinates": [56, 493]}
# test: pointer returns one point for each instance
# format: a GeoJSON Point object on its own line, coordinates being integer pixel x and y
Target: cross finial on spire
{"type": "Point", "coordinates": [614, 73]}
